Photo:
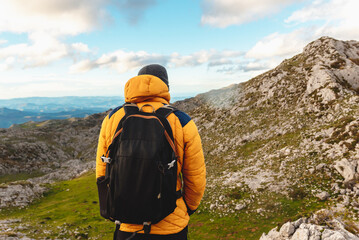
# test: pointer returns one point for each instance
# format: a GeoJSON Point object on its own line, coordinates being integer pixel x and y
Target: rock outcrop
{"type": "Point", "coordinates": [7, 232]}
{"type": "Point", "coordinates": [310, 229]}
{"type": "Point", "coordinates": [21, 193]}
{"type": "Point", "coordinates": [348, 169]}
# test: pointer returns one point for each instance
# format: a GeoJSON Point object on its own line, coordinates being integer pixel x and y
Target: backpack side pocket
{"type": "Point", "coordinates": [103, 195]}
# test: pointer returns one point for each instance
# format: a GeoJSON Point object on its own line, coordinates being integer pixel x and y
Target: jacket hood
{"type": "Point", "coordinates": [146, 88]}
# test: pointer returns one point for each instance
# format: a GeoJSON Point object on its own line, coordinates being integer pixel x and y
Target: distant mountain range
{"type": "Point", "coordinates": [59, 104]}
{"type": "Point", "coordinates": [9, 117]}
{"type": "Point", "coordinates": [21, 110]}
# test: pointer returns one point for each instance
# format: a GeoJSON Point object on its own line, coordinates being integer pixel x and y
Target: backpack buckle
{"type": "Point", "coordinates": [171, 164]}
{"type": "Point", "coordinates": [147, 227]}
{"type": "Point", "coordinates": [106, 159]}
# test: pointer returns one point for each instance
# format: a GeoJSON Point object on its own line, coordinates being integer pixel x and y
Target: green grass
{"type": "Point", "coordinates": [248, 224]}
{"type": "Point", "coordinates": [71, 205]}
{"type": "Point", "coordinates": [70, 210]}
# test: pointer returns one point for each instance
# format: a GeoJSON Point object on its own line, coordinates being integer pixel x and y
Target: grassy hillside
{"type": "Point", "coordinates": [70, 210]}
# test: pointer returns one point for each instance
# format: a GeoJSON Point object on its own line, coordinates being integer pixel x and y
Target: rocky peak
{"type": "Point", "coordinates": [292, 130]}
{"type": "Point", "coordinates": [326, 70]}
{"type": "Point", "coordinates": [325, 47]}
{"type": "Point", "coordinates": [335, 67]}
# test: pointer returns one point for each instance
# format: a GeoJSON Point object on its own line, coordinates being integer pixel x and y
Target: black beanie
{"type": "Point", "coordinates": [155, 70]}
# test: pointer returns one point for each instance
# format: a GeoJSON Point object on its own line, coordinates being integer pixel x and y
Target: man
{"type": "Point", "coordinates": [151, 87]}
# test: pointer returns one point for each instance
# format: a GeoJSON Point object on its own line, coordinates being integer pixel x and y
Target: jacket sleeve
{"type": "Point", "coordinates": [194, 170]}
{"type": "Point", "coordinates": [101, 150]}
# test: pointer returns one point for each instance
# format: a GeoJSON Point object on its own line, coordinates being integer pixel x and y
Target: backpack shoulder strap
{"type": "Point", "coordinates": [130, 108]}
{"type": "Point", "coordinates": [165, 111]}
{"type": "Point", "coordinates": [162, 113]}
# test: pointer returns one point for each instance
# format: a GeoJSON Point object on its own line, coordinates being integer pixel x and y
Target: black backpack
{"type": "Point", "coordinates": [141, 169]}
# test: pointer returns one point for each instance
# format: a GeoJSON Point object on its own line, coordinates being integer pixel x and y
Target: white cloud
{"type": "Point", "coordinates": [8, 64]}
{"type": "Point", "coordinates": [123, 61]}
{"type": "Point", "coordinates": [326, 10]}
{"type": "Point", "coordinates": [80, 47]}
{"type": "Point", "coordinates": [47, 23]}
{"type": "Point", "coordinates": [340, 18]}
{"type": "Point", "coordinates": [335, 18]}
{"type": "Point", "coordinates": [119, 60]}
{"type": "Point", "coordinates": [280, 45]}
{"type": "Point", "coordinates": [42, 50]}
{"type": "Point", "coordinates": [223, 13]}
{"type": "Point", "coordinates": [3, 41]}
{"type": "Point", "coordinates": [212, 57]}
{"type": "Point", "coordinates": [55, 17]}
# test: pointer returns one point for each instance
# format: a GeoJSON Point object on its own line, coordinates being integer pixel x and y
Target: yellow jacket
{"type": "Point", "coordinates": [148, 89]}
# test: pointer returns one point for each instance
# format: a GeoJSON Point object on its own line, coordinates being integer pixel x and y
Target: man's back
{"type": "Point", "coordinates": [151, 90]}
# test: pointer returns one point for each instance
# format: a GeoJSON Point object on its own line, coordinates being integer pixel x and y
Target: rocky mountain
{"type": "Point", "coordinates": [278, 147]}
{"type": "Point", "coordinates": [21, 110]}
{"type": "Point", "coordinates": [9, 117]}
{"type": "Point", "coordinates": [61, 104]}
{"type": "Point", "coordinates": [44, 146]}
{"type": "Point", "coordinates": [52, 150]}
{"type": "Point", "coordinates": [290, 132]}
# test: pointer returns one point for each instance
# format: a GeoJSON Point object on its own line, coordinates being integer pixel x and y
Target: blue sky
{"type": "Point", "coordinates": [92, 47]}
